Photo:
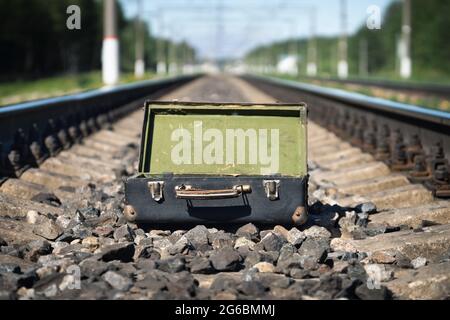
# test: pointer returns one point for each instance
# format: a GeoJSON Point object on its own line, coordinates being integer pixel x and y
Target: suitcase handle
{"type": "Point", "coordinates": [190, 193]}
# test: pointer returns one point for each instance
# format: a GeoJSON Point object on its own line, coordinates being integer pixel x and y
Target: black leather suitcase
{"type": "Point", "coordinates": [219, 163]}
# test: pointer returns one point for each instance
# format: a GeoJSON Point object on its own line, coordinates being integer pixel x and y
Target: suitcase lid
{"type": "Point", "coordinates": [185, 138]}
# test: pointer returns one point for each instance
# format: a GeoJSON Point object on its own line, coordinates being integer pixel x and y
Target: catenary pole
{"type": "Point", "coordinates": [343, 45]}
{"type": "Point", "coordinates": [110, 51]}
{"type": "Point", "coordinates": [139, 65]}
{"type": "Point", "coordinates": [405, 60]}
{"type": "Point", "coordinates": [311, 68]}
{"type": "Point", "coordinates": [363, 58]}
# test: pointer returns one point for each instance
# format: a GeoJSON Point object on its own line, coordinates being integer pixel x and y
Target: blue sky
{"type": "Point", "coordinates": [245, 23]}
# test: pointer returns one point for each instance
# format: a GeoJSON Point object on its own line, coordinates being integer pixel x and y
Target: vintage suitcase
{"type": "Point", "coordinates": [219, 163]}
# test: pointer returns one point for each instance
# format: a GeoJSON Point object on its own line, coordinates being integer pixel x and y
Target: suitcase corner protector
{"type": "Point", "coordinates": [130, 213]}
{"type": "Point", "coordinates": [300, 216]}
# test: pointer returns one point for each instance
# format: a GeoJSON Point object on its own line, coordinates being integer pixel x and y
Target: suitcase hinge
{"type": "Point", "coordinates": [156, 190]}
{"type": "Point", "coordinates": [272, 188]}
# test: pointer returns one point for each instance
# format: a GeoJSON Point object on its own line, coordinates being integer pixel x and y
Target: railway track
{"type": "Point", "coordinates": [407, 138]}
{"type": "Point", "coordinates": [439, 90]}
{"type": "Point", "coordinates": [373, 234]}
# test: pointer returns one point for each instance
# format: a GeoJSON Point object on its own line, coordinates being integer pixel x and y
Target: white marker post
{"type": "Point", "coordinates": [139, 65]}
{"type": "Point", "coordinates": [161, 67]}
{"type": "Point", "coordinates": [110, 51]}
{"type": "Point", "coordinates": [343, 46]}
{"type": "Point", "coordinates": [405, 58]}
{"type": "Point", "coordinates": [311, 67]}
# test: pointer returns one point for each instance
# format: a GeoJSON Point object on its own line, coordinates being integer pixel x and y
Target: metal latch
{"type": "Point", "coordinates": [272, 188]}
{"type": "Point", "coordinates": [156, 190]}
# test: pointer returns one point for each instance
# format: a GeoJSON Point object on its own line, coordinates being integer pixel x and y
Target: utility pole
{"type": "Point", "coordinates": [293, 48]}
{"type": "Point", "coordinates": [184, 57]}
{"type": "Point", "coordinates": [172, 52]}
{"type": "Point", "coordinates": [343, 45]}
{"type": "Point", "coordinates": [110, 51]}
{"type": "Point", "coordinates": [139, 65]}
{"type": "Point", "coordinates": [219, 31]}
{"type": "Point", "coordinates": [297, 48]}
{"type": "Point", "coordinates": [162, 63]}
{"type": "Point", "coordinates": [405, 51]}
{"type": "Point", "coordinates": [363, 58]}
{"type": "Point", "coordinates": [311, 68]}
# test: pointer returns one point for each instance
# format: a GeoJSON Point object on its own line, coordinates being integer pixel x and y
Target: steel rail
{"type": "Point", "coordinates": [407, 110]}
{"type": "Point", "coordinates": [427, 88]}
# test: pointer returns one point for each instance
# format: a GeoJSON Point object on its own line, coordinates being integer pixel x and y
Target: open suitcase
{"type": "Point", "coordinates": [220, 163]}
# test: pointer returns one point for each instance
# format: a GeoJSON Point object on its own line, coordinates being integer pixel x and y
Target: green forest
{"type": "Point", "coordinates": [430, 45]}
{"type": "Point", "coordinates": [35, 42]}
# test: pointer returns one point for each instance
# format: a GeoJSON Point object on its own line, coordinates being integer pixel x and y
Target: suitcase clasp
{"type": "Point", "coordinates": [156, 190]}
{"type": "Point", "coordinates": [272, 188]}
